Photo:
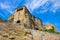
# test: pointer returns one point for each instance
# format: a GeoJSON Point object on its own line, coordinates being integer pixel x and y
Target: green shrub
{"type": "Point", "coordinates": [51, 31]}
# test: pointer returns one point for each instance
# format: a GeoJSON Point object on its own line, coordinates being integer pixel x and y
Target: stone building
{"type": "Point", "coordinates": [48, 26]}
{"type": "Point", "coordinates": [24, 18]}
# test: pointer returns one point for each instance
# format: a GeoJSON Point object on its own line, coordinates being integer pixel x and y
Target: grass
{"type": "Point", "coordinates": [51, 31]}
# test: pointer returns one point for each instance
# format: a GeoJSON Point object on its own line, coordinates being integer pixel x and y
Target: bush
{"type": "Point", "coordinates": [51, 31]}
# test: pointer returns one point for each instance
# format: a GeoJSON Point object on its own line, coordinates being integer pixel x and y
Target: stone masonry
{"type": "Point", "coordinates": [39, 35]}
{"type": "Point", "coordinates": [12, 32]}
{"type": "Point", "coordinates": [24, 18]}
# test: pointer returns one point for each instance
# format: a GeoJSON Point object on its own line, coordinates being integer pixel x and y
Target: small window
{"type": "Point", "coordinates": [36, 28]}
{"type": "Point", "coordinates": [18, 21]}
{"type": "Point", "coordinates": [19, 9]}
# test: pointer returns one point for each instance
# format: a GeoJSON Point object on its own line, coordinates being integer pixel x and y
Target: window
{"type": "Point", "coordinates": [18, 21]}
{"type": "Point", "coordinates": [19, 9]}
{"type": "Point", "coordinates": [36, 28]}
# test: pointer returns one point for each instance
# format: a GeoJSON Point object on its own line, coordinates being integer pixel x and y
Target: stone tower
{"type": "Point", "coordinates": [24, 18]}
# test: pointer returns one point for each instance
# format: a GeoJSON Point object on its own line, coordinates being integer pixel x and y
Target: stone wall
{"type": "Point", "coordinates": [23, 17]}
{"type": "Point", "coordinates": [38, 24]}
{"type": "Point", "coordinates": [39, 35]}
{"type": "Point", "coordinates": [14, 32]}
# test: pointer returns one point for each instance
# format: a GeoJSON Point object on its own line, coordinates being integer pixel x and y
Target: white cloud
{"type": "Point", "coordinates": [6, 7]}
{"type": "Point", "coordinates": [47, 22]}
{"type": "Point", "coordinates": [42, 11]}
{"type": "Point", "coordinates": [10, 11]}
{"type": "Point", "coordinates": [9, 5]}
{"type": "Point", "coordinates": [55, 6]}
{"type": "Point", "coordinates": [34, 4]}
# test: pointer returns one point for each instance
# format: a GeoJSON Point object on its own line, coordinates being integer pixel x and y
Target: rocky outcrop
{"type": "Point", "coordinates": [28, 34]}
{"type": "Point", "coordinates": [39, 35]}
{"type": "Point", "coordinates": [14, 32]}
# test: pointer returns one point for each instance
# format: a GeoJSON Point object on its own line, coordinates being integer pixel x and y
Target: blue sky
{"type": "Point", "coordinates": [47, 10]}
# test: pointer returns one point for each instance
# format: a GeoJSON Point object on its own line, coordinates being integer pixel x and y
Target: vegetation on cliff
{"type": "Point", "coordinates": [53, 30]}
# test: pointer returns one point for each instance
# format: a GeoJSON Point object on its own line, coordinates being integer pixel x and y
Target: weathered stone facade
{"type": "Point", "coordinates": [24, 18]}
{"type": "Point", "coordinates": [38, 24]}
